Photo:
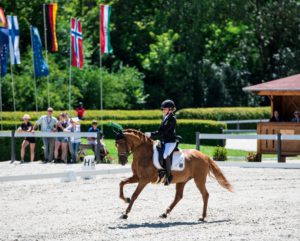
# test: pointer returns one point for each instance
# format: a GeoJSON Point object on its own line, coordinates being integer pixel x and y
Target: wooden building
{"type": "Point", "coordinates": [284, 95]}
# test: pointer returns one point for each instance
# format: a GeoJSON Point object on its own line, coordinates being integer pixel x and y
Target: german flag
{"type": "Point", "coordinates": [50, 18]}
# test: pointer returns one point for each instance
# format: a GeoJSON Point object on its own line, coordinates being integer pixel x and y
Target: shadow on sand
{"type": "Point", "coordinates": [166, 224]}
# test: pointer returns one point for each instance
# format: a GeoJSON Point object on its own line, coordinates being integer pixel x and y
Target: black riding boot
{"type": "Point", "coordinates": [168, 171]}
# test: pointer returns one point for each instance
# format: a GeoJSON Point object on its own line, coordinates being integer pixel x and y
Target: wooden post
{"type": "Point", "coordinates": [279, 147]}
{"type": "Point", "coordinates": [197, 141]}
{"type": "Point", "coordinates": [98, 147]}
{"type": "Point", "coordinates": [13, 147]}
{"type": "Point", "coordinates": [223, 140]}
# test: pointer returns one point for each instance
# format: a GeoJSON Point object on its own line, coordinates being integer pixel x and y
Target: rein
{"type": "Point", "coordinates": [127, 152]}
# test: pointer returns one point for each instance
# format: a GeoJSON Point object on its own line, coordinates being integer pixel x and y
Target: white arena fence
{"type": "Point", "coordinates": [66, 176]}
{"type": "Point", "coordinates": [13, 135]}
{"type": "Point", "coordinates": [70, 175]}
{"type": "Point", "coordinates": [239, 122]}
{"type": "Point", "coordinates": [278, 137]}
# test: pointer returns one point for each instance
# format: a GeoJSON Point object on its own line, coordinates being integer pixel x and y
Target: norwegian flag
{"type": "Point", "coordinates": [76, 43]}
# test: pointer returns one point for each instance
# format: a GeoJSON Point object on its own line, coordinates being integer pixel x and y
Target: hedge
{"type": "Point", "coordinates": [232, 113]}
{"type": "Point", "coordinates": [225, 113]}
{"type": "Point", "coordinates": [91, 115]}
{"type": "Point", "coordinates": [5, 149]}
{"type": "Point", "coordinates": [185, 128]}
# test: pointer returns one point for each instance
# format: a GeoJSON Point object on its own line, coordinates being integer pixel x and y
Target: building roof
{"type": "Point", "coordinates": [285, 86]}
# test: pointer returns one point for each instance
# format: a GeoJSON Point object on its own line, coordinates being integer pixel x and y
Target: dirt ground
{"type": "Point", "coordinates": [264, 206]}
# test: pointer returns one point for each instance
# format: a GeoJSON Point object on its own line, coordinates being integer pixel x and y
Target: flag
{"type": "Point", "coordinates": [2, 19]}
{"type": "Point", "coordinates": [14, 36]}
{"type": "Point", "coordinates": [3, 50]}
{"type": "Point", "coordinates": [40, 66]}
{"type": "Point", "coordinates": [105, 11]}
{"type": "Point", "coordinates": [76, 43]}
{"type": "Point", "coordinates": [50, 18]}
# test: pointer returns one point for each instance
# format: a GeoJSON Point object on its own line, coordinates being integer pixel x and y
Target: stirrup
{"type": "Point", "coordinates": [169, 180]}
{"type": "Point", "coordinates": [161, 177]}
{"type": "Point", "coordinates": [161, 173]}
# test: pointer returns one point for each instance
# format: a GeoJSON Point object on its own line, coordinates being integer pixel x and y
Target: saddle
{"type": "Point", "coordinates": [161, 148]}
{"type": "Point", "coordinates": [177, 160]}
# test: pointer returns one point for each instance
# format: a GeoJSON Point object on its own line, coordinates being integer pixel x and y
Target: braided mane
{"type": "Point", "coordinates": [140, 135]}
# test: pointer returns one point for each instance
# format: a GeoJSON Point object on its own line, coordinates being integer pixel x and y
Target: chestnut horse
{"type": "Point", "coordinates": [197, 166]}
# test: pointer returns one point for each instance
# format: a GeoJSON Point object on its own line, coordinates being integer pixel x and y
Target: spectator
{"type": "Point", "coordinates": [48, 124]}
{"type": "Point", "coordinates": [275, 117]}
{"type": "Point", "coordinates": [296, 116]}
{"type": "Point", "coordinates": [80, 111]}
{"type": "Point", "coordinates": [61, 141]}
{"type": "Point", "coordinates": [75, 141]}
{"type": "Point", "coordinates": [93, 141]}
{"type": "Point", "coordinates": [26, 126]}
{"type": "Point", "coordinates": [68, 121]}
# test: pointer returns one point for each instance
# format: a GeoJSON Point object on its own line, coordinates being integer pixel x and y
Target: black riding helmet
{"type": "Point", "coordinates": [168, 104]}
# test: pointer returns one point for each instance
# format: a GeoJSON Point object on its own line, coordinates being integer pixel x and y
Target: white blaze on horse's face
{"type": "Point", "coordinates": [123, 151]}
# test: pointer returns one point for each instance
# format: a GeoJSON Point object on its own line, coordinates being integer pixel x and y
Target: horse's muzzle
{"type": "Point", "coordinates": [123, 158]}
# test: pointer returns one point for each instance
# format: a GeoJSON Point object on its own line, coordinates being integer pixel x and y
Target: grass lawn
{"type": "Point", "coordinates": [110, 144]}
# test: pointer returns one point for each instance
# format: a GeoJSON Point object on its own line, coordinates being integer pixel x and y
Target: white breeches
{"type": "Point", "coordinates": [169, 147]}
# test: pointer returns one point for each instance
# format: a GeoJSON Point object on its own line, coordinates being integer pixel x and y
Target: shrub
{"type": "Point", "coordinates": [232, 113]}
{"type": "Point", "coordinates": [185, 128]}
{"type": "Point", "coordinates": [92, 114]}
{"type": "Point", "coordinates": [5, 149]}
{"type": "Point", "coordinates": [220, 153]}
{"type": "Point", "coordinates": [226, 113]}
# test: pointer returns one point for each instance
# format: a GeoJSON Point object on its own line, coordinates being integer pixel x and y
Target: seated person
{"type": "Point", "coordinates": [275, 117]}
{"type": "Point", "coordinates": [93, 140]}
{"type": "Point", "coordinates": [296, 116]}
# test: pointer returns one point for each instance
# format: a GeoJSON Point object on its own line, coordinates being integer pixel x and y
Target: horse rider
{"type": "Point", "coordinates": [167, 133]}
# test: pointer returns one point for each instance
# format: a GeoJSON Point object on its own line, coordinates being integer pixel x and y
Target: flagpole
{"type": "Point", "coordinates": [35, 92]}
{"type": "Point", "coordinates": [46, 48]}
{"type": "Point", "coordinates": [1, 95]}
{"type": "Point", "coordinates": [70, 70]}
{"type": "Point", "coordinates": [100, 70]}
{"type": "Point", "coordinates": [13, 88]}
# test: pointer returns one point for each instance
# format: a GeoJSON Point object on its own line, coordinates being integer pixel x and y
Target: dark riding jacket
{"type": "Point", "coordinates": [166, 129]}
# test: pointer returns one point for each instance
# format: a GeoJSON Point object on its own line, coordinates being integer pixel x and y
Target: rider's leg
{"type": "Point", "coordinates": [169, 148]}
{"type": "Point", "coordinates": [168, 171]}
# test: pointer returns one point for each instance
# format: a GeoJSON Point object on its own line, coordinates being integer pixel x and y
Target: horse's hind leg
{"type": "Point", "coordinates": [129, 180]}
{"type": "Point", "coordinates": [178, 197]}
{"type": "Point", "coordinates": [205, 195]}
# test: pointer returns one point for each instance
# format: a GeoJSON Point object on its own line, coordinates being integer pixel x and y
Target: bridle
{"type": "Point", "coordinates": [125, 153]}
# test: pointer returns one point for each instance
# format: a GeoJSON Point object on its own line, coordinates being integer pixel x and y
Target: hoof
{"type": "Point", "coordinates": [127, 200]}
{"type": "Point", "coordinates": [201, 220]}
{"type": "Point", "coordinates": [163, 215]}
{"type": "Point", "coordinates": [124, 216]}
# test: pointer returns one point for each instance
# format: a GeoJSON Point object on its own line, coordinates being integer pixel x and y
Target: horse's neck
{"type": "Point", "coordinates": [143, 154]}
{"type": "Point", "coordinates": [142, 151]}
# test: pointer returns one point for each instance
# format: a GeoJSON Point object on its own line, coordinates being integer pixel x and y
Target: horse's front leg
{"type": "Point", "coordinates": [138, 190]}
{"type": "Point", "coordinates": [129, 180]}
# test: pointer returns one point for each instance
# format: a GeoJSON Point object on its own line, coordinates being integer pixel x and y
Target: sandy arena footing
{"type": "Point", "coordinates": [264, 206]}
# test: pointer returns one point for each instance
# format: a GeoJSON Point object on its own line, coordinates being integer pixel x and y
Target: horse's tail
{"type": "Point", "coordinates": [218, 174]}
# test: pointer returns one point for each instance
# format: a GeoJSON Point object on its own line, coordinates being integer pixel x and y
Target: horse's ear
{"type": "Point", "coordinates": [119, 135]}
{"type": "Point", "coordinates": [117, 130]}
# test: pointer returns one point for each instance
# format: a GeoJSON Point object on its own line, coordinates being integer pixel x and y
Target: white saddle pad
{"type": "Point", "coordinates": [178, 162]}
